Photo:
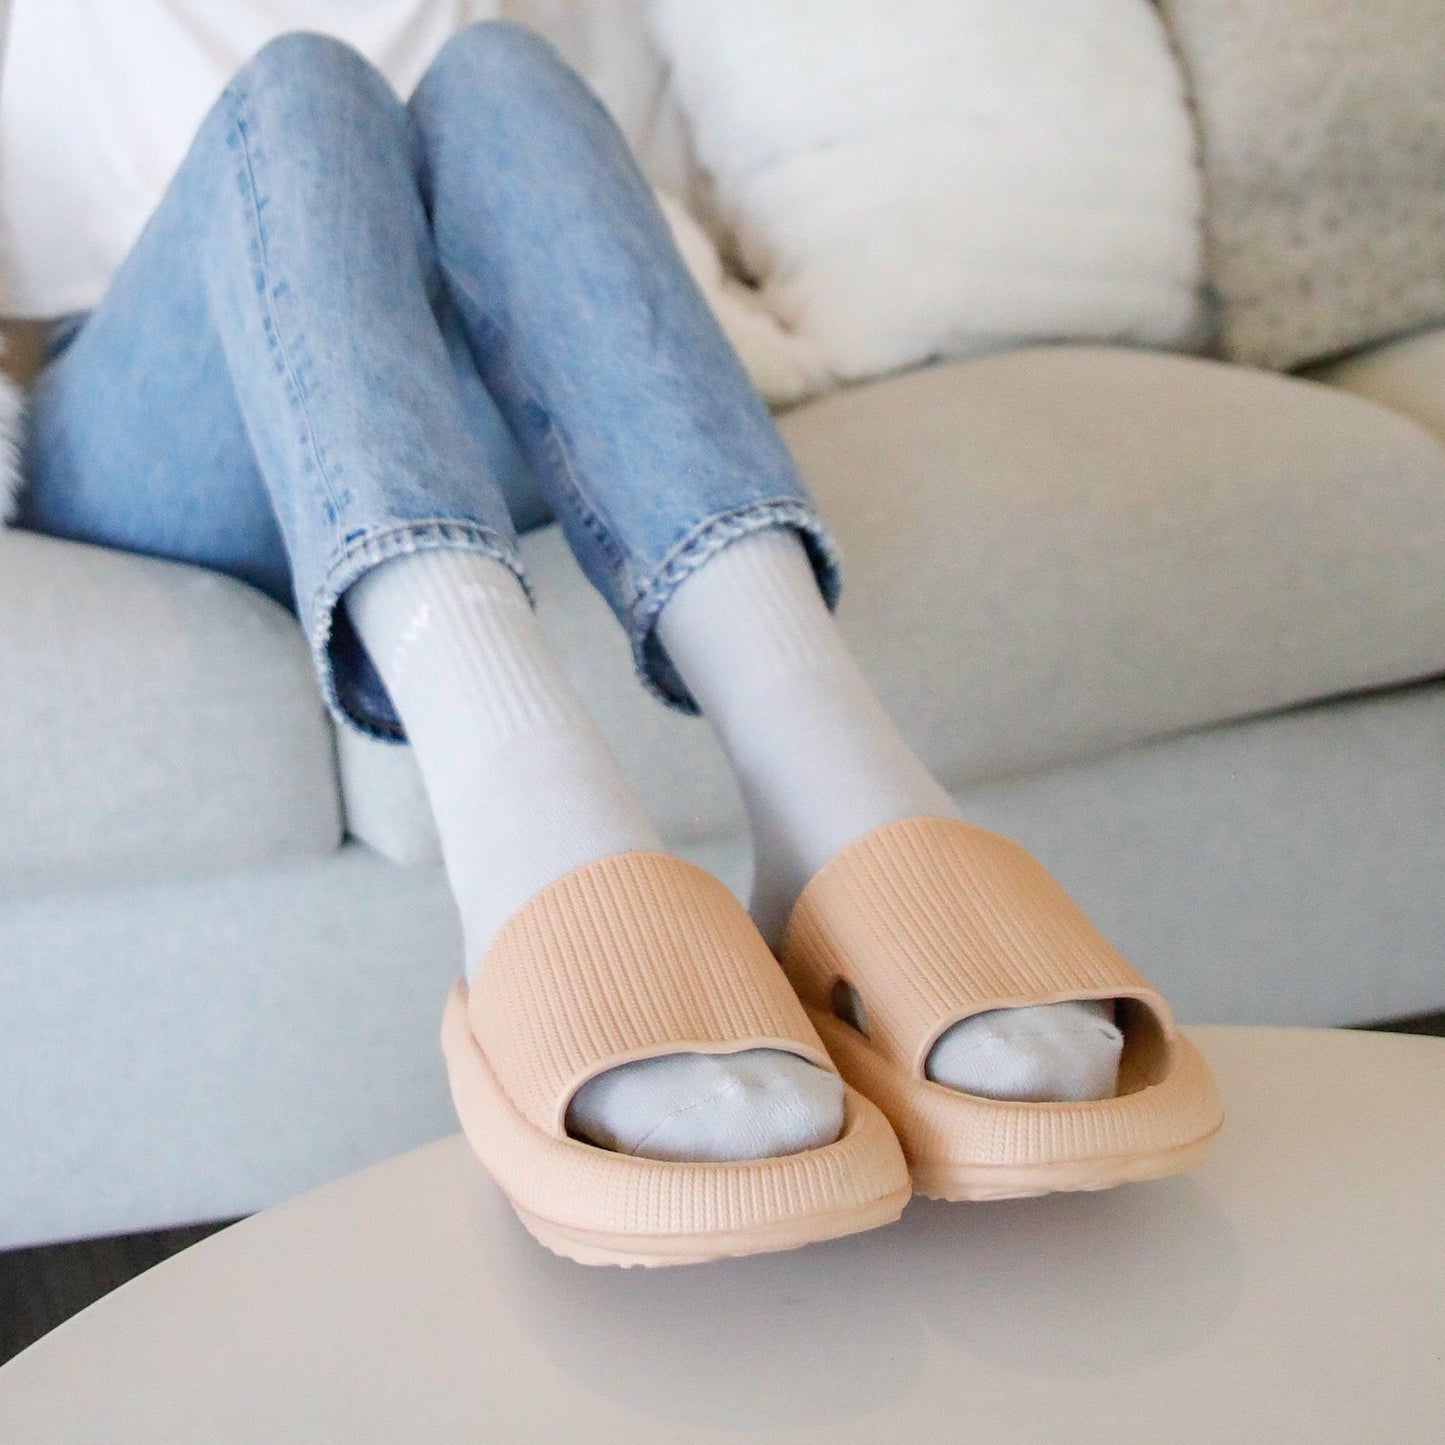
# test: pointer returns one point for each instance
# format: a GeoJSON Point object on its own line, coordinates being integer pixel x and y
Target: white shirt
{"type": "Point", "coordinates": [99, 101]}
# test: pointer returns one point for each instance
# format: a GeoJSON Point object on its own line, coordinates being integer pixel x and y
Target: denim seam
{"type": "Point", "coordinates": [275, 342]}
{"type": "Point", "coordinates": [576, 496]}
{"type": "Point", "coordinates": [373, 548]}
{"type": "Point", "coordinates": [706, 539]}
{"type": "Point", "coordinates": [587, 513]}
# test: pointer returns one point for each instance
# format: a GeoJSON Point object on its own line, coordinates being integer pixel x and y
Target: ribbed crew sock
{"type": "Point", "coordinates": [820, 763]}
{"type": "Point", "coordinates": [524, 789]}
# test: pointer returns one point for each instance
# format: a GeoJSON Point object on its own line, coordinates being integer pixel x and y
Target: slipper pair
{"type": "Point", "coordinates": [927, 921]}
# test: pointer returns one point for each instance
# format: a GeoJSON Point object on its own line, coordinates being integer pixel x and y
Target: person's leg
{"type": "Point", "coordinates": [274, 386]}
{"type": "Point", "coordinates": [274, 348]}
{"type": "Point", "coordinates": [664, 467]}
{"type": "Point", "coordinates": [820, 764]}
{"type": "Point", "coordinates": [272, 353]}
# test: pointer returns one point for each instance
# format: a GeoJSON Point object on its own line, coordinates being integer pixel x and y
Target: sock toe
{"type": "Point", "coordinates": [1048, 1053]}
{"type": "Point", "coordinates": [710, 1108]}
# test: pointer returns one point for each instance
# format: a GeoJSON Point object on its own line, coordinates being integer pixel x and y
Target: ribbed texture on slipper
{"type": "Point", "coordinates": [932, 919]}
{"type": "Point", "coordinates": [636, 1200]}
{"type": "Point", "coordinates": [633, 955]}
{"type": "Point", "coordinates": [940, 1127]}
{"type": "Point", "coordinates": [636, 954]}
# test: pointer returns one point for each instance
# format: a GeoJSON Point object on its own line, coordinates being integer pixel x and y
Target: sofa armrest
{"type": "Point", "coordinates": [157, 721]}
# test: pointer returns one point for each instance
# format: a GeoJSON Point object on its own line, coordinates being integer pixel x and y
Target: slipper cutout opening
{"type": "Point", "coordinates": [1146, 1059]}
{"type": "Point", "coordinates": [847, 1005]}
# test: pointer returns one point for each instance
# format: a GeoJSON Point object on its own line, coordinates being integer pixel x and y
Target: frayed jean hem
{"type": "Point", "coordinates": [352, 689]}
{"type": "Point", "coordinates": [654, 668]}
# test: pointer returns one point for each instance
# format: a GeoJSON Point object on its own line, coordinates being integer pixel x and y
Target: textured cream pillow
{"type": "Point", "coordinates": [1323, 125]}
{"type": "Point", "coordinates": [911, 178]}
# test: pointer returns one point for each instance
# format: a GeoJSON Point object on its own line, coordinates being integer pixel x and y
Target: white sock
{"type": "Point", "coordinates": [820, 763]}
{"type": "Point", "coordinates": [1052, 1051]}
{"type": "Point", "coordinates": [524, 789]}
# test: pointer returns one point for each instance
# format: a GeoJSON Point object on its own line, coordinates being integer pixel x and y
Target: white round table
{"type": "Point", "coordinates": [1291, 1290]}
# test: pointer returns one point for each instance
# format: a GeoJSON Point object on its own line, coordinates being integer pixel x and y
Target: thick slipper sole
{"type": "Point", "coordinates": [624, 1210]}
{"type": "Point", "coordinates": [1164, 1129]}
{"type": "Point", "coordinates": [931, 920]}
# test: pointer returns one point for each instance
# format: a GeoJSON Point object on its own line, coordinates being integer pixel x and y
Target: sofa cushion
{"type": "Point", "coordinates": [156, 721]}
{"type": "Point", "coordinates": [1058, 551]}
{"type": "Point", "coordinates": [1407, 376]}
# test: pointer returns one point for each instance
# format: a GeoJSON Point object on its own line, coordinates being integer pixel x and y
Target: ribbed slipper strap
{"type": "Point", "coordinates": [934, 919]}
{"type": "Point", "coordinates": [634, 955]}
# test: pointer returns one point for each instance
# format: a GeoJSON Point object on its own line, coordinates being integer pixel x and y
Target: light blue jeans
{"type": "Point", "coordinates": [355, 328]}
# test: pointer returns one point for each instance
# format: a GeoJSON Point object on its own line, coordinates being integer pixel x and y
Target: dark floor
{"type": "Point", "coordinates": [40, 1288]}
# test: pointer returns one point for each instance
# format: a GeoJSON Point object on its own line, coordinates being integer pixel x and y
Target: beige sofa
{"type": "Point", "coordinates": [1176, 624]}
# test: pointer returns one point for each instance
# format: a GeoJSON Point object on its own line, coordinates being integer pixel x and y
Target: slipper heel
{"type": "Point", "coordinates": [931, 920]}
{"type": "Point", "coordinates": [629, 957]}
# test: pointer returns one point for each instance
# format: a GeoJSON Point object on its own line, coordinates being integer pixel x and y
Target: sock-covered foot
{"type": "Point", "coordinates": [1051, 1051]}
{"type": "Point", "coordinates": [820, 763]}
{"type": "Point", "coordinates": [710, 1107]}
{"type": "Point", "coordinates": [524, 789]}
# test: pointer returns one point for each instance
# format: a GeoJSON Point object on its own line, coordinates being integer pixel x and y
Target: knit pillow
{"type": "Point", "coordinates": [911, 178]}
{"type": "Point", "coordinates": [1323, 125]}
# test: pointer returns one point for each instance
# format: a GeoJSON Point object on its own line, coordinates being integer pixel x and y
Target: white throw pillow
{"type": "Point", "coordinates": [784, 366]}
{"type": "Point", "coordinates": [912, 178]}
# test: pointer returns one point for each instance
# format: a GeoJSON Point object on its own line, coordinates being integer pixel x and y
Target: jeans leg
{"type": "Point", "coordinates": [272, 365]}
{"type": "Point", "coordinates": [639, 422]}
{"type": "Point", "coordinates": [133, 438]}
{"type": "Point", "coordinates": [324, 287]}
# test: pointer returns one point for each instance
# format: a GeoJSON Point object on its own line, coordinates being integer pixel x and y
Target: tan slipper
{"type": "Point", "coordinates": [629, 957]}
{"type": "Point", "coordinates": [931, 920]}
